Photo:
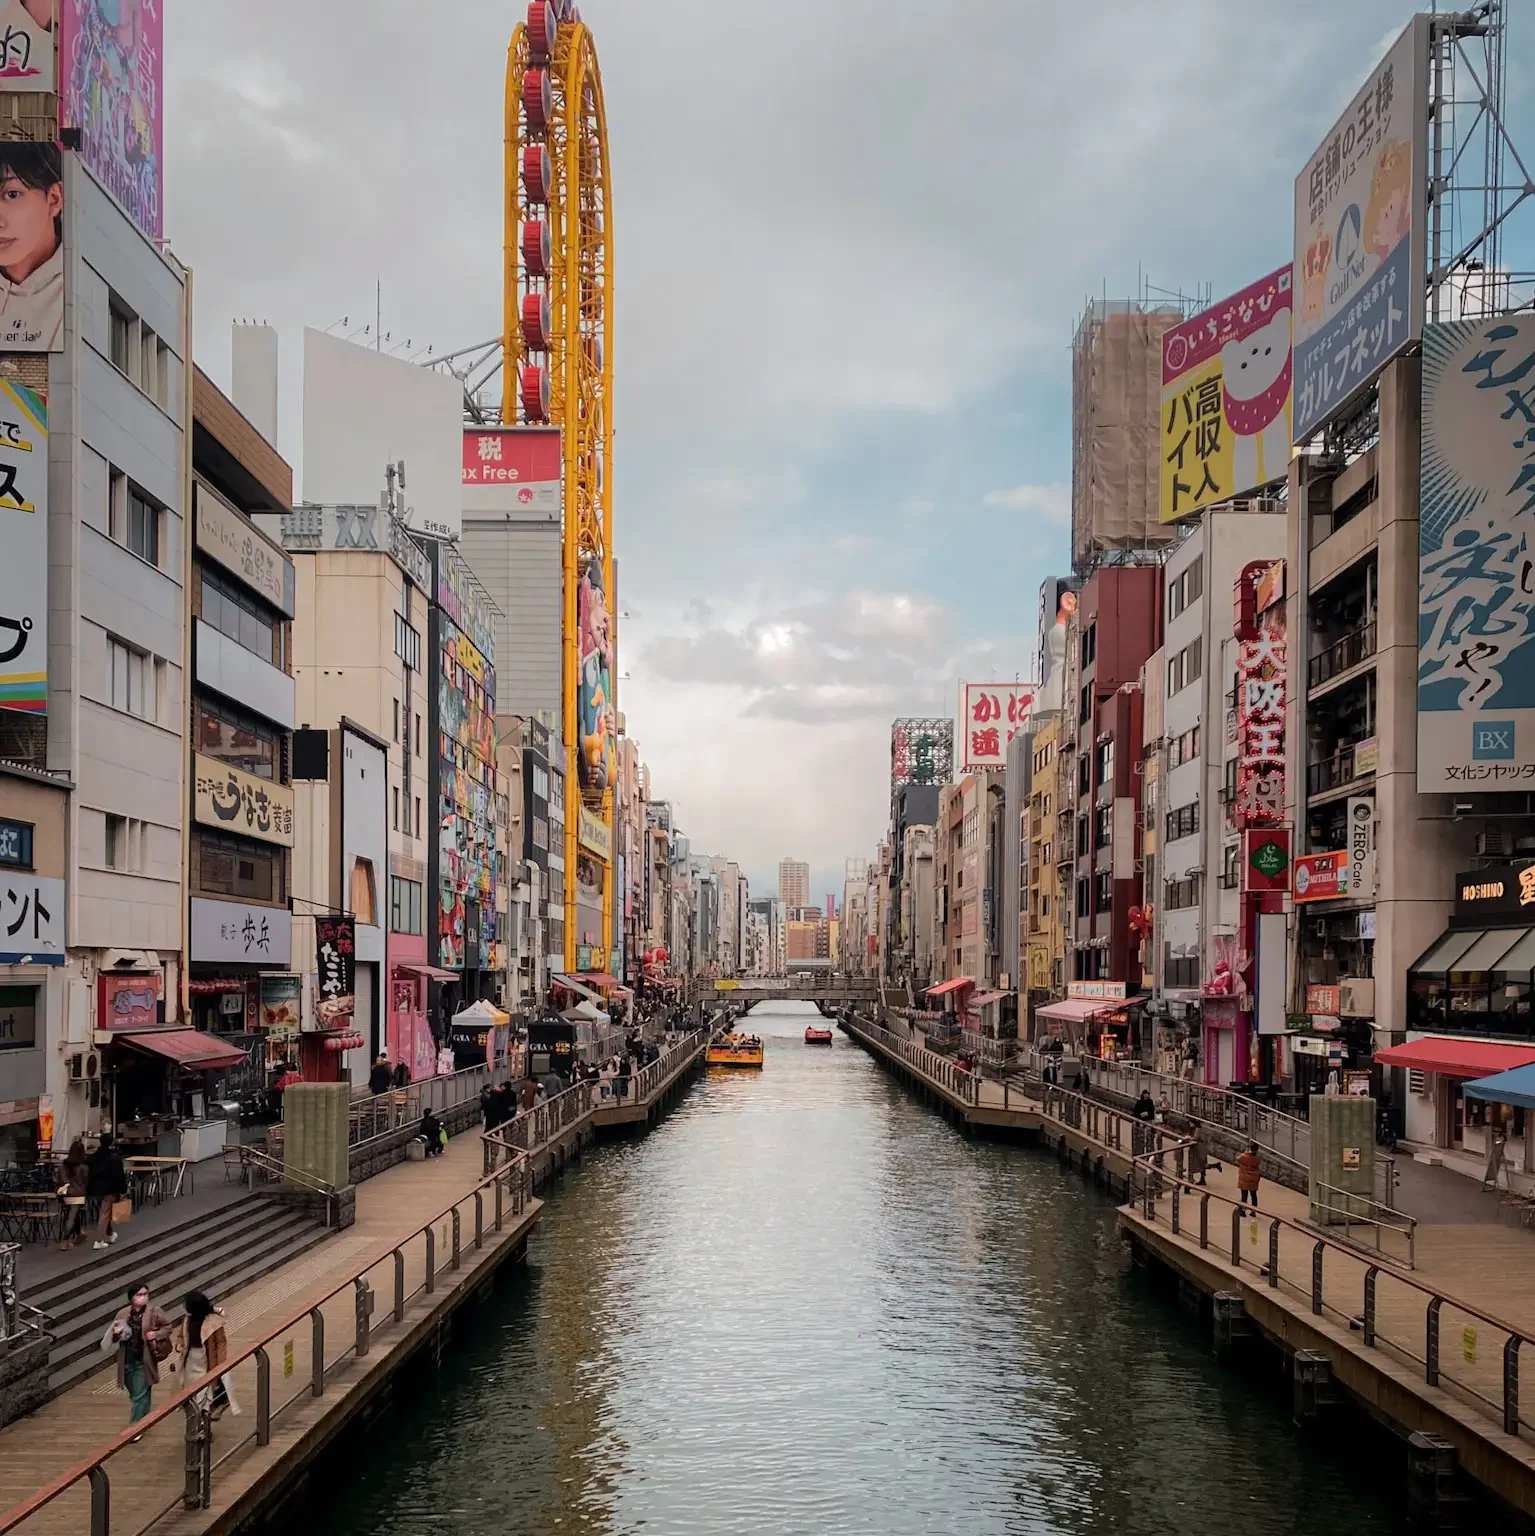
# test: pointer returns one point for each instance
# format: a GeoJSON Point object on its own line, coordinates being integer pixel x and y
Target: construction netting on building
{"type": "Point", "coordinates": [1116, 398]}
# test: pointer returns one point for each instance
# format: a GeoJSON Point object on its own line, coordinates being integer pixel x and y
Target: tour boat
{"type": "Point", "coordinates": [735, 1051]}
{"type": "Point", "coordinates": [817, 1034]}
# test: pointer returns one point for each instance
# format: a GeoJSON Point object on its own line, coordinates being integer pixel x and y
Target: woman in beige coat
{"type": "Point", "coordinates": [202, 1346]}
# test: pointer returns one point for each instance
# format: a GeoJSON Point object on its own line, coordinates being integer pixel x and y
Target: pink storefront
{"type": "Point", "coordinates": [410, 1036]}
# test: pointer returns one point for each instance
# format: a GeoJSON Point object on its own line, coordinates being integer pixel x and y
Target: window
{"type": "Point", "coordinates": [540, 783]}
{"type": "Point", "coordinates": [162, 389]}
{"type": "Point", "coordinates": [1184, 668]}
{"type": "Point", "coordinates": [1182, 893]}
{"type": "Point", "coordinates": [1229, 788]}
{"type": "Point", "coordinates": [240, 740]}
{"type": "Point", "coordinates": [1084, 890]}
{"type": "Point", "coordinates": [407, 643]}
{"type": "Point", "coordinates": [1085, 703]}
{"type": "Point", "coordinates": [1102, 827]}
{"type": "Point", "coordinates": [1103, 895]}
{"type": "Point", "coordinates": [1083, 834]}
{"type": "Point", "coordinates": [1180, 972]}
{"type": "Point", "coordinates": [1186, 588]}
{"type": "Point", "coordinates": [418, 735]}
{"type": "Point", "coordinates": [1229, 868]}
{"type": "Point", "coordinates": [364, 892]}
{"type": "Point", "coordinates": [1084, 776]}
{"type": "Point", "coordinates": [1090, 644]}
{"type": "Point", "coordinates": [1183, 822]}
{"type": "Point", "coordinates": [240, 617]}
{"type": "Point", "coordinates": [1106, 762]}
{"type": "Point", "coordinates": [404, 905]}
{"type": "Point", "coordinates": [235, 866]}
{"type": "Point", "coordinates": [418, 815]}
{"type": "Point", "coordinates": [143, 526]}
{"type": "Point", "coordinates": [396, 720]}
{"type": "Point", "coordinates": [117, 842]}
{"type": "Point", "coordinates": [130, 680]}
{"type": "Point", "coordinates": [148, 364]}
{"type": "Point", "coordinates": [120, 325]}
{"type": "Point", "coordinates": [1183, 748]}
{"type": "Point", "coordinates": [397, 808]}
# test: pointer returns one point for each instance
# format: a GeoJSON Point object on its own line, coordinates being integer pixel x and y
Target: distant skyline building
{"type": "Point", "coordinates": [794, 883]}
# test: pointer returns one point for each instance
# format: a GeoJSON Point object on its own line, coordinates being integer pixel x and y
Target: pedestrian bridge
{"type": "Point", "coordinates": [834, 991]}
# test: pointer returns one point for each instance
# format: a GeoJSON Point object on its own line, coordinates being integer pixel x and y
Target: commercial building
{"type": "Point", "coordinates": [794, 883]}
{"type": "Point", "coordinates": [1044, 966]}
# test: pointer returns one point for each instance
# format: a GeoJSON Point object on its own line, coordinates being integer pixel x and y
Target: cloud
{"type": "Point", "coordinates": [1050, 501]}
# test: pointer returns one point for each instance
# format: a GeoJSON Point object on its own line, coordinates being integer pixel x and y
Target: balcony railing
{"type": "Point", "coordinates": [1332, 772]}
{"type": "Point", "coordinates": [1353, 648]}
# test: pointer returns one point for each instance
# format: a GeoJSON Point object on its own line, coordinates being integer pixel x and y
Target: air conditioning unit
{"type": "Point", "coordinates": [1492, 844]}
{"type": "Point", "coordinates": [1356, 997]}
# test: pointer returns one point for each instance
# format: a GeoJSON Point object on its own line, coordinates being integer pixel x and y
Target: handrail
{"type": "Point", "coordinates": [254, 1157]}
{"type": "Point", "coordinates": [531, 1128]}
{"type": "Point", "coordinates": [1156, 1183]}
{"type": "Point", "coordinates": [1389, 1219]}
{"type": "Point", "coordinates": [380, 1114]}
{"type": "Point", "coordinates": [939, 1069]}
{"type": "Point", "coordinates": [512, 1188]}
{"type": "Point", "coordinates": [644, 1082]}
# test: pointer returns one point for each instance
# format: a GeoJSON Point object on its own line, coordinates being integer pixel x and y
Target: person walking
{"type": "Point", "coordinates": [433, 1134]}
{"type": "Point", "coordinates": [1198, 1159]}
{"type": "Point", "coordinates": [201, 1343]}
{"type": "Point", "coordinates": [381, 1076]}
{"type": "Point", "coordinates": [1249, 1175]}
{"type": "Point", "coordinates": [106, 1181]}
{"type": "Point", "coordinates": [72, 1194]}
{"type": "Point", "coordinates": [141, 1335]}
{"type": "Point", "coordinates": [529, 1095]}
{"type": "Point", "coordinates": [401, 1075]}
{"type": "Point", "coordinates": [1145, 1109]}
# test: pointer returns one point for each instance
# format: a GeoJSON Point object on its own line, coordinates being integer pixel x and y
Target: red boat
{"type": "Point", "coordinates": [817, 1034]}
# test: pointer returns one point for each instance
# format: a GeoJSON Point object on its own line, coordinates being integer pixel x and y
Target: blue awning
{"type": "Point", "coordinates": [1516, 1087]}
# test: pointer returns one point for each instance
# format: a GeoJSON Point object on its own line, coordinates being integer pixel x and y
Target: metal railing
{"type": "Point", "coordinates": [530, 1129]}
{"type": "Point", "coordinates": [294, 1363]}
{"type": "Point", "coordinates": [649, 1078]}
{"type": "Point", "coordinates": [262, 1168]}
{"type": "Point", "coordinates": [930, 1064]}
{"type": "Point", "coordinates": [1347, 1209]}
{"type": "Point", "coordinates": [1391, 1308]}
{"type": "Point", "coordinates": [1356, 646]}
{"type": "Point", "coordinates": [1332, 772]}
{"type": "Point", "coordinates": [1117, 1130]}
{"type": "Point", "coordinates": [381, 1113]}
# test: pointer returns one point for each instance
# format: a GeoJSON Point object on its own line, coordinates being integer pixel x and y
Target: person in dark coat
{"type": "Point", "coordinates": [381, 1076]}
{"type": "Point", "coordinates": [106, 1180]}
{"type": "Point", "coordinates": [1145, 1109]}
{"type": "Point", "coordinates": [433, 1135]}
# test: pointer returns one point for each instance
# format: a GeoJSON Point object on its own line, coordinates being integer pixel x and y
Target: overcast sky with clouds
{"type": "Point", "coordinates": [851, 245]}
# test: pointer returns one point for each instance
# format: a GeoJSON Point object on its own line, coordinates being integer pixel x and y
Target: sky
{"type": "Point", "coordinates": [851, 247]}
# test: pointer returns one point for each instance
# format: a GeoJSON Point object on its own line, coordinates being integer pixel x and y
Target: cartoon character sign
{"type": "Point", "coordinates": [597, 718]}
{"type": "Point", "coordinates": [1256, 370]}
{"type": "Point", "coordinates": [112, 72]}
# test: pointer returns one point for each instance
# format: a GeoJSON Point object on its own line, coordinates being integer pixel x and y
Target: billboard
{"type": "Point", "coordinates": [1320, 876]}
{"type": "Point", "coordinates": [512, 469]}
{"type": "Point", "coordinates": [921, 752]}
{"type": "Point", "coordinates": [1359, 235]}
{"type": "Point", "coordinates": [597, 725]}
{"type": "Point", "coordinates": [1057, 605]}
{"type": "Point", "coordinates": [112, 73]}
{"type": "Point", "coordinates": [364, 410]}
{"type": "Point", "coordinates": [26, 45]}
{"type": "Point", "coordinates": [1226, 399]}
{"type": "Point", "coordinates": [24, 538]}
{"type": "Point", "coordinates": [31, 247]}
{"type": "Point", "coordinates": [1476, 597]}
{"type": "Point", "coordinates": [993, 714]}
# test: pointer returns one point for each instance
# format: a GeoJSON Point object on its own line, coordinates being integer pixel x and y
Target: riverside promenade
{"type": "Point", "coordinates": [312, 1344]}
{"type": "Point", "coordinates": [1426, 1321]}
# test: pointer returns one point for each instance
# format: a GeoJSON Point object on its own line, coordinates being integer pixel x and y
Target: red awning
{"type": "Point", "coordinates": [1457, 1058]}
{"type": "Point", "coordinates": [431, 972]}
{"type": "Point", "coordinates": [950, 986]}
{"type": "Point", "coordinates": [598, 979]}
{"type": "Point", "coordinates": [192, 1049]}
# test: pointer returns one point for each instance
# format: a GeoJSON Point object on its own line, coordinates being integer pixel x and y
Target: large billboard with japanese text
{"type": "Point", "coordinates": [26, 45]}
{"type": "Point", "coordinates": [24, 538]}
{"type": "Point", "coordinates": [993, 713]}
{"type": "Point", "coordinates": [1359, 235]}
{"type": "Point", "coordinates": [111, 80]}
{"type": "Point", "coordinates": [1226, 398]}
{"type": "Point", "coordinates": [513, 470]}
{"type": "Point", "coordinates": [921, 752]}
{"type": "Point", "coordinates": [1476, 591]}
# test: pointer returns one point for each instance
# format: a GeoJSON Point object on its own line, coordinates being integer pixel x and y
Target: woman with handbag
{"type": "Point", "coordinates": [107, 1183]}
{"type": "Point", "coordinates": [72, 1194]}
{"type": "Point", "coordinates": [202, 1342]}
{"type": "Point", "coordinates": [141, 1335]}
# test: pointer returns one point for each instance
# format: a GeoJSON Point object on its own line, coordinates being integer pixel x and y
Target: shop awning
{"type": "Point", "coordinates": [431, 972]}
{"type": "Point", "coordinates": [1516, 1087]}
{"type": "Point", "coordinates": [1075, 1009]}
{"type": "Point", "coordinates": [985, 999]}
{"type": "Point", "coordinates": [952, 985]}
{"type": "Point", "coordinates": [572, 985]}
{"type": "Point", "coordinates": [1457, 1058]}
{"type": "Point", "coordinates": [599, 979]}
{"type": "Point", "coordinates": [192, 1049]}
{"type": "Point", "coordinates": [482, 1012]}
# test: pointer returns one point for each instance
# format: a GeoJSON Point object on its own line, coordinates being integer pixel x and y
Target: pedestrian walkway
{"type": "Point", "coordinates": [148, 1477]}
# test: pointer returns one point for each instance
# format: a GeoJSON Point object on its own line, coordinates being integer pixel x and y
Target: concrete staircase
{"type": "Point", "coordinates": [217, 1252]}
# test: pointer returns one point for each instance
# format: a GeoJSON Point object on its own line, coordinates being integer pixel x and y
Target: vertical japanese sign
{"type": "Point", "coordinates": [335, 939]}
{"type": "Point", "coordinates": [1262, 667]}
{"type": "Point", "coordinates": [1359, 235]}
{"type": "Point", "coordinates": [993, 714]}
{"type": "Point", "coordinates": [26, 45]}
{"type": "Point", "coordinates": [1476, 569]}
{"type": "Point", "coordinates": [1359, 876]}
{"type": "Point", "coordinates": [112, 68]}
{"type": "Point", "coordinates": [921, 752]}
{"type": "Point", "coordinates": [24, 539]}
{"type": "Point", "coordinates": [1226, 398]}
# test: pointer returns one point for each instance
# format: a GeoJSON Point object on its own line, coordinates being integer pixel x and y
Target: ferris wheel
{"type": "Point", "coordinates": [557, 371]}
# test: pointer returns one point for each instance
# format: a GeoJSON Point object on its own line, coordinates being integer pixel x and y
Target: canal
{"type": "Point", "coordinates": [805, 1304]}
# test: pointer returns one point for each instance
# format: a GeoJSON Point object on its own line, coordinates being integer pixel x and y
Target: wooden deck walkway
{"type": "Point", "coordinates": [148, 1478]}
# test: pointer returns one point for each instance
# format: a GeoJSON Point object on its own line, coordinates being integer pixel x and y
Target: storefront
{"type": "Point", "coordinates": [411, 1040]}
{"type": "Point", "coordinates": [167, 1087]}
{"type": "Point", "coordinates": [479, 1036]}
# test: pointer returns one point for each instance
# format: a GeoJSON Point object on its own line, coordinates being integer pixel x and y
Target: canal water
{"type": "Point", "coordinates": [806, 1304]}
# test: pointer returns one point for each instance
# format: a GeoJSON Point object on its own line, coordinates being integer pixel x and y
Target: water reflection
{"type": "Point", "coordinates": [805, 1304]}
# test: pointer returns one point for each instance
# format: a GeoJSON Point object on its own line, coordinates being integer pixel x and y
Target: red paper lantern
{"type": "Point", "coordinates": [537, 173]}
{"type": "Point", "coordinates": [534, 388]}
{"type": "Point", "coordinates": [537, 321]}
{"type": "Point", "coordinates": [543, 29]}
{"type": "Point", "coordinates": [537, 99]}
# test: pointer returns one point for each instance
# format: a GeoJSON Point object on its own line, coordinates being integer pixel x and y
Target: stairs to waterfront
{"type": "Point", "coordinates": [213, 1251]}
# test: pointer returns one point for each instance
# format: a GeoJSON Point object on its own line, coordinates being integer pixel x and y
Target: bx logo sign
{"type": "Point", "coordinates": [1492, 741]}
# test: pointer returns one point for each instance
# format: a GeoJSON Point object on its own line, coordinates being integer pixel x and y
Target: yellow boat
{"type": "Point", "coordinates": [735, 1051]}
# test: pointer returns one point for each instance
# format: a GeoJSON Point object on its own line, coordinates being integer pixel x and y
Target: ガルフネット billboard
{"type": "Point", "coordinates": [1476, 591]}
{"type": "Point", "coordinates": [24, 538]}
{"type": "Point", "coordinates": [112, 81]}
{"type": "Point", "coordinates": [1226, 380]}
{"type": "Point", "coordinates": [1359, 235]}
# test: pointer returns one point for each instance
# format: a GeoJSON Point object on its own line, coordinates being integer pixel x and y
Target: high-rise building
{"type": "Point", "coordinates": [794, 883]}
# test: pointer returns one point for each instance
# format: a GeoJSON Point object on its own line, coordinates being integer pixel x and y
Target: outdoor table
{"type": "Point", "coordinates": [158, 1178]}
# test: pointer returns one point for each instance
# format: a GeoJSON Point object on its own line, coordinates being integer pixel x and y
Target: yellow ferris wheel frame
{"type": "Point", "coordinates": [580, 367]}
